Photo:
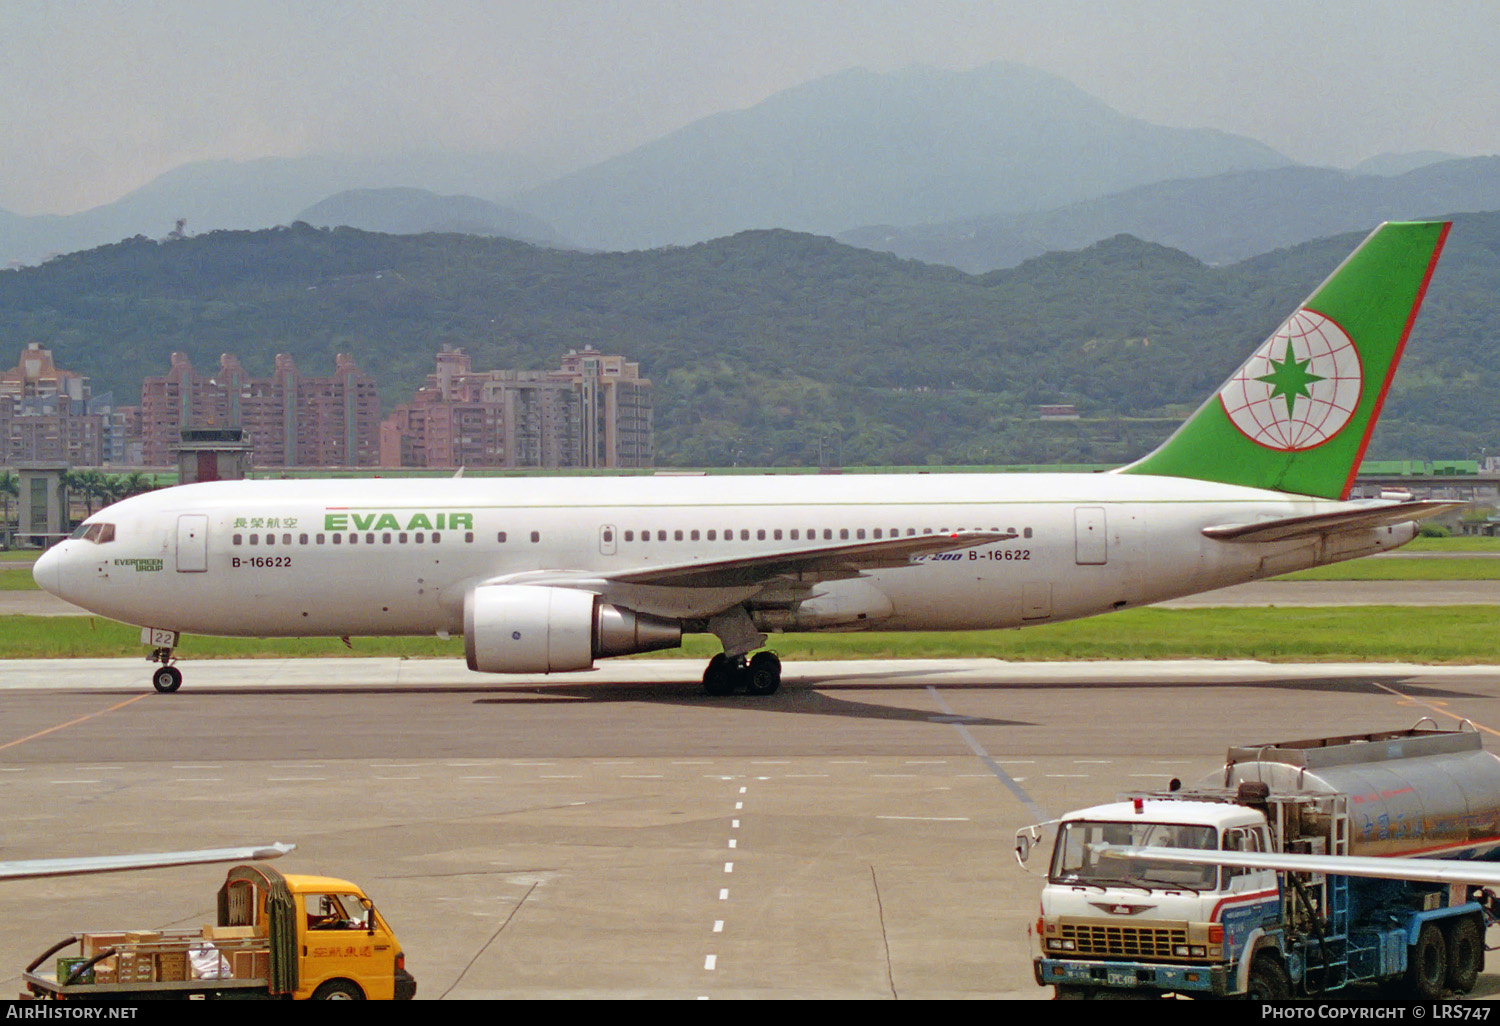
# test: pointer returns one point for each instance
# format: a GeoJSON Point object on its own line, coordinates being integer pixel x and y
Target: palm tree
{"type": "Point", "coordinates": [136, 483]}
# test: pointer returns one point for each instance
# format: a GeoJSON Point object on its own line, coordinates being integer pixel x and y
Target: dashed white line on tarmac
{"type": "Point", "coordinates": [718, 926]}
{"type": "Point", "coordinates": [710, 962]}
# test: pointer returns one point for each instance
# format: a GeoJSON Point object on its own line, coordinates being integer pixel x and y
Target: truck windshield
{"type": "Point", "coordinates": [334, 912]}
{"type": "Point", "coordinates": [1078, 860]}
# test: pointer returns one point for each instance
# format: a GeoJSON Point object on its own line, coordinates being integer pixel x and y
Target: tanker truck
{"type": "Point", "coordinates": [1301, 868]}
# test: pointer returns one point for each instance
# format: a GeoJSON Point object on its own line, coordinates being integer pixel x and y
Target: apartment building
{"type": "Point", "coordinates": [594, 411]}
{"type": "Point", "coordinates": [288, 419]}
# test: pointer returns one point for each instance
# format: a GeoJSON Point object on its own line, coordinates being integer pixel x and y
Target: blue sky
{"type": "Point", "coordinates": [97, 97]}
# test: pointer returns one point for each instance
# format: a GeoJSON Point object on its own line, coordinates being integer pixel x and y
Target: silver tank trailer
{"type": "Point", "coordinates": [1410, 792]}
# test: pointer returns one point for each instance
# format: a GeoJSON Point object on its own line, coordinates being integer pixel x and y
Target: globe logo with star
{"type": "Point", "coordinates": [1300, 388]}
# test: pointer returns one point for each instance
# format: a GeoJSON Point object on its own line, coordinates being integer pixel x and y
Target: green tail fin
{"type": "Point", "coordinates": [1298, 415]}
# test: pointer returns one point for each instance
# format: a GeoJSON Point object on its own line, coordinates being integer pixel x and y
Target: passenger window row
{"type": "Point", "coordinates": [792, 534]}
{"type": "Point", "coordinates": [711, 534]}
{"type": "Point", "coordinates": [370, 538]}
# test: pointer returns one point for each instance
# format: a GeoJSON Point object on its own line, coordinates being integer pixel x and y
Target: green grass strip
{"type": "Point", "coordinates": [1435, 569]}
{"type": "Point", "coordinates": [1408, 634]}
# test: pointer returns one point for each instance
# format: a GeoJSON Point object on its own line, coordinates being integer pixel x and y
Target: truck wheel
{"type": "Point", "coordinates": [338, 990]}
{"type": "Point", "coordinates": [1427, 964]}
{"type": "Point", "coordinates": [1465, 942]}
{"type": "Point", "coordinates": [1268, 980]}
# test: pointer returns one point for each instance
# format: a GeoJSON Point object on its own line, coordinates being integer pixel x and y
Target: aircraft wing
{"type": "Point", "coordinates": [31, 868]}
{"type": "Point", "coordinates": [806, 565]}
{"type": "Point", "coordinates": [1315, 524]}
{"type": "Point", "coordinates": [827, 563]}
{"type": "Point", "coordinates": [702, 588]}
{"type": "Point", "coordinates": [1462, 871]}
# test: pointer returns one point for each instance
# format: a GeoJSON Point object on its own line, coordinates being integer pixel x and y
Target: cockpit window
{"type": "Point", "coordinates": [99, 534]}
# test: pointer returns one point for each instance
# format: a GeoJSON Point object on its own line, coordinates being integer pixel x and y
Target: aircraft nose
{"type": "Point", "coordinates": [47, 571]}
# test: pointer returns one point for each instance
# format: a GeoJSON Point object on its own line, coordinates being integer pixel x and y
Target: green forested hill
{"type": "Point", "coordinates": [761, 343]}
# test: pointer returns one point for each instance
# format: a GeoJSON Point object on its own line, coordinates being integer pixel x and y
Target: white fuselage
{"type": "Point", "coordinates": [398, 556]}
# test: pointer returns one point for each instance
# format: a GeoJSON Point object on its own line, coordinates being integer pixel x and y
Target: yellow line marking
{"type": "Point", "coordinates": [61, 726]}
{"type": "Point", "coordinates": [1436, 707]}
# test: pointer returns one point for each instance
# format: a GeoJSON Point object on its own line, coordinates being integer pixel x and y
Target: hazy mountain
{"type": "Point", "coordinates": [914, 146]}
{"type": "Point", "coordinates": [414, 211]}
{"type": "Point", "coordinates": [1400, 163]}
{"type": "Point", "coordinates": [218, 194]}
{"type": "Point", "coordinates": [1218, 219]}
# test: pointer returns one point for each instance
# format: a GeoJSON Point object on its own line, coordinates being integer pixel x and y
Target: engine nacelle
{"type": "Point", "coordinates": [523, 628]}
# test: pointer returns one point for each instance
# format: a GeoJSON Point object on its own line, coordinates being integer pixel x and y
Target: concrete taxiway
{"type": "Point", "coordinates": [618, 833]}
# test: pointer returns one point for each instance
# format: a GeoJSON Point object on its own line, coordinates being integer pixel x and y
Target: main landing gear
{"type": "Point", "coordinates": [166, 678]}
{"type": "Point", "coordinates": [759, 675]}
{"type": "Point", "coordinates": [734, 669]}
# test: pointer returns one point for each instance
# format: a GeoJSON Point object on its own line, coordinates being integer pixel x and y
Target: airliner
{"type": "Point", "coordinates": [549, 575]}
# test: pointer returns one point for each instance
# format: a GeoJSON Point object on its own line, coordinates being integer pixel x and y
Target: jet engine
{"type": "Point", "coordinates": [522, 628]}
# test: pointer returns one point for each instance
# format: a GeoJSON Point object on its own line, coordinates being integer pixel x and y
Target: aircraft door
{"type": "Point", "coordinates": [192, 543]}
{"type": "Point", "coordinates": [1091, 543]}
{"type": "Point", "coordinates": [607, 539]}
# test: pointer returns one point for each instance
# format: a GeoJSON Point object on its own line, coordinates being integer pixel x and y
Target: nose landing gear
{"type": "Point", "coordinates": [166, 678]}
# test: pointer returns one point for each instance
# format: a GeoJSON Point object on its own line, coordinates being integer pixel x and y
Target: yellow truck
{"type": "Point", "coordinates": [277, 936]}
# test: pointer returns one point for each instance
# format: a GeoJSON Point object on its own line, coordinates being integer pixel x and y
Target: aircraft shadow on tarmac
{"type": "Point", "coordinates": [809, 694]}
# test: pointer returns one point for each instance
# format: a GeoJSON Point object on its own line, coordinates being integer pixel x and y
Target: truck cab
{"type": "Point", "coordinates": [344, 947]}
{"type": "Point", "coordinates": [1104, 916]}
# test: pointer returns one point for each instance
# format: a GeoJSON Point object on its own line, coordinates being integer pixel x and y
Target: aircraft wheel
{"type": "Point", "coordinates": [167, 679]}
{"type": "Point", "coordinates": [720, 677]}
{"type": "Point", "coordinates": [1465, 943]}
{"type": "Point", "coordinates": [765, 674]}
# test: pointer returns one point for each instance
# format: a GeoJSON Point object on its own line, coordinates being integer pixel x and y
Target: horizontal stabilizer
{"type": "Point", "coordinates": [1316, 524]}
{"type": "Point", "coordinates": [1425, 870]}
{"type": "Point", "coordinates": [32, 868]}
